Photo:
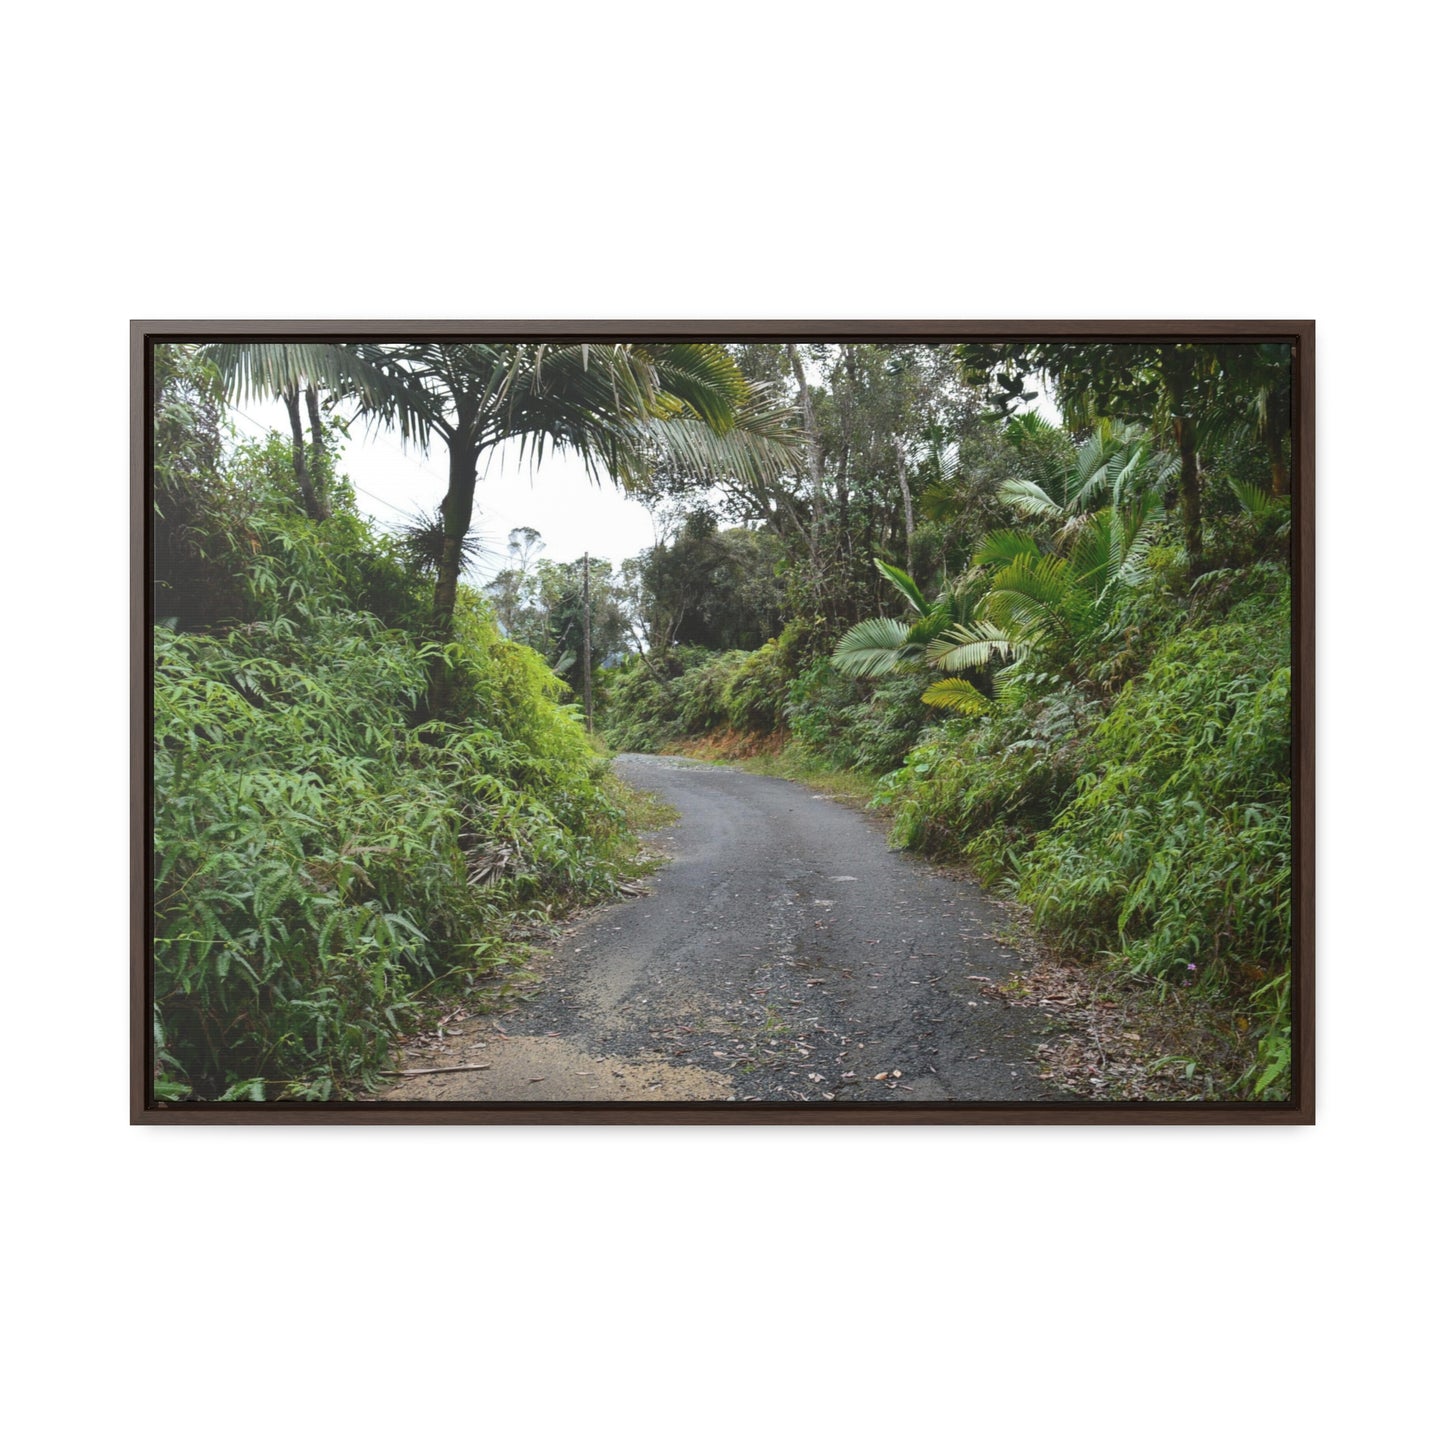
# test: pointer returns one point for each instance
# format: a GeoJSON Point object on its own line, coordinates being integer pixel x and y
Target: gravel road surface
{"type": "Point", "coordinates": [783, 954]}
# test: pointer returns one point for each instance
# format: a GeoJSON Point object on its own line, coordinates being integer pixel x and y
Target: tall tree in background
{"type": "Point", "coordinates": [709, 587]}
{"type": "Point", "coordinates": [579, 606]}
{"type": "Point", "coordinates": [510, 588]}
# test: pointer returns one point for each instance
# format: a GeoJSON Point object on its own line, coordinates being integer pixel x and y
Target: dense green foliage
{"type": "Point", "coordinates": [981, 789]}
{"type": "Point", "coordinates": [325, 848]}
{"type": "Point", "coordinates": [720, 589]}
{"type": "Point", "coordinates": [847, 724]}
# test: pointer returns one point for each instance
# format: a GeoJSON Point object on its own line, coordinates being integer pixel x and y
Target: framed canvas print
{"type": "Point", "coordinates": [723, 722]}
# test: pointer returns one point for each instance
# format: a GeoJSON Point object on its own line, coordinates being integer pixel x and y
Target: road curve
{"type": "Point", "coordinates": [784, 954]}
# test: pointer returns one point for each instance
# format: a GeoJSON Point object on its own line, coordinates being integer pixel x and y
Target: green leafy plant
{"type": "Point", "coordinates": [324, 853]}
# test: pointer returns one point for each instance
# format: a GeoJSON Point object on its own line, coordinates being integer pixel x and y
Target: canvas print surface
{"type": "Point", "coordinates": [893, 721]}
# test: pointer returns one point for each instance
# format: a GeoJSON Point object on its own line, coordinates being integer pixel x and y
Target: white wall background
{"type": "Point", "coordinates": [762, 160]}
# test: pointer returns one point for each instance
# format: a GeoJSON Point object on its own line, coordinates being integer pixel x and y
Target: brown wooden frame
{"type": "Point", "coordinates": [1300, 335]}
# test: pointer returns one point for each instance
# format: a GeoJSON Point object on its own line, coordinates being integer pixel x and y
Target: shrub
{"type": "Point", "coordinates": [1175, 849]}
{"type": "Point", "coordinates": [320, 852]}
{"type": "Point", "coordinates": [701, 692]}
{"type": "Point", "coordinates": [747, 691]}
{"type": "Point", "coordinates": [980, 788]}
{"type": "Point", "coordinates": [758, 689]}
{"type": "Point", "coordinates": [638, 713]}
{"type": "Point", "coordinates": [856, 723]}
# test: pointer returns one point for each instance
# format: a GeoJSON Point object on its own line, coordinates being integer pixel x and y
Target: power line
{"type": "Point", "coordinates": [401, 451]}
{"type": "Point", "coordinates": [490, 513]}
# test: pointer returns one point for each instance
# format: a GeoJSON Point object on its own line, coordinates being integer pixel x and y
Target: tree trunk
{"type": "Point", "coordinates": [318, 454]}
{"type": "Point", "coordinates": [907, 502]}
{"type": "Point", "coordinates": [292, 397]}
{"type": "Point", "coordinates": [1278, 473]}
{"type": "Point", "coordinates": [844, 396]}
{"type": "Point", "coordinates": [587, 638]}
{"type": "Point", "coordinates": [642, 647]}
{"type": "Point", "coordinates": [1178, 378]}
{"type": "Point", "coordinates": [1275, 426]}
{"type": "Point", "coordinates": [1189, 493]}
{"type": "Point", "coordinates": [456, 520]}
{"type": "Point", "coordinates": [815, 446]}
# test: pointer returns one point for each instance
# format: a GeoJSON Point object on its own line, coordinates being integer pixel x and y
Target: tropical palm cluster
{"type": "Point", "coordinates": [1028, 596]}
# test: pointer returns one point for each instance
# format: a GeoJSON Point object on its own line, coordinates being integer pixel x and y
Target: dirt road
{"type": "Point", "coordinates": [784, 954]}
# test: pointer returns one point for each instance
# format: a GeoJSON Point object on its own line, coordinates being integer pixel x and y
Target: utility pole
{"type": "Point", "coordinates": [587, 637]}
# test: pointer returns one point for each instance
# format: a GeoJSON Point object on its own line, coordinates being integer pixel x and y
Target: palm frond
{"type": "Point", "coordinates": [924, 629]}
{"type": "Point", "coordinates": [1092, 552]}
{"type": "Point", "coordinates": [1090, 469]}
{"type": "Point", "coordinates": [967, 648]}
{"type": "Point", "coordinates": [702, 377]}
{"type": "Point", "coordinates": [1029, 429]}
{"type": "Point", "coordinates": [1029, 498]}
{"type": "Point", "coordinates": [871, 648]}
{"type": "Point", "coordinates": [1138, 527]}
{"type": "Point", "coordinates": [1255, 500]}
{"type": "Point", "coordinates": [1005, 546]}
{"type": "Point", "coordinates": [1032, 595]}
{"type": "Point", "coordinates": [762, 444]}
{"type": "Point", "coordinates": [593, 402]}
{"type": "Point", "coordinates": [1129, 471]}
{"type": "Point", "coordinates": [905, 584]}
{"type": "Point", "coordinates": [367, 372]}
{"type": "Point", "coordinates": [957, 695]}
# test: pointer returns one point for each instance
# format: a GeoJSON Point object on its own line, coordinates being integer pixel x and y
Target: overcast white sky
{"type": "Point", "coordinates": [572, 514]}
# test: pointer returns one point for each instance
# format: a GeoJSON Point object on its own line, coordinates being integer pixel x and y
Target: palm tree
{"type": "Point", "coordinates": [1068, 482]}
{"type": "Point", "coordinates": [623, 408]}
{"type": "Point", "coordinates": [1051, 600]}
{"type": "Point", "coordinates": [1168, 386]}
{"type": "Point", "coordinates": [880, 645]}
